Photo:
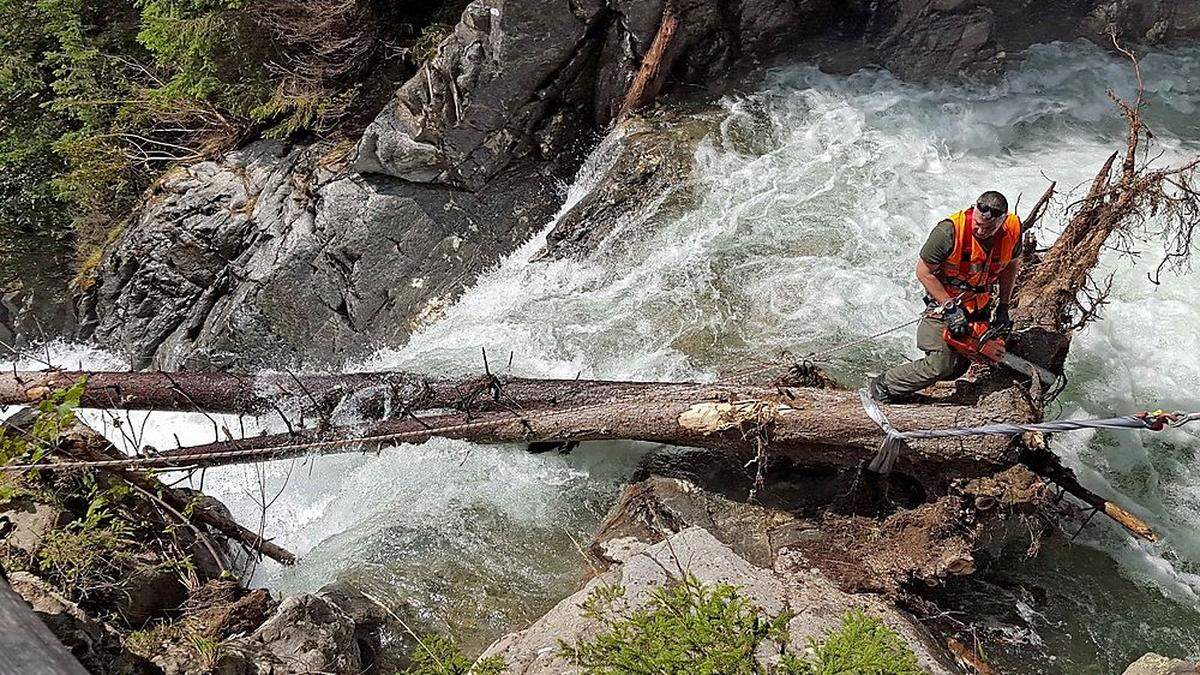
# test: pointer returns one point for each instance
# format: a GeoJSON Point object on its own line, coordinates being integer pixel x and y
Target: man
{"type": "Point", "coordinates": [966, 256]}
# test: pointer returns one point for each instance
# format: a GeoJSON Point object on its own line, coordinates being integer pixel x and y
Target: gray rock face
{"type": "Point", "coordinates": [269, 256]}
{"type": "Point", "coordinates": [461, 119]}
{"type": "Point", "coordinates": [922, 39]}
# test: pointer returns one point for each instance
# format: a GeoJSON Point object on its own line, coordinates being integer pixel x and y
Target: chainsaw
{"type": "Point", "coordinates": [982, 344]}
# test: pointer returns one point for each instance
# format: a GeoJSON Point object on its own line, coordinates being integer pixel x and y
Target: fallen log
{"type": "Point", "coordinates": [374, 394]}
{"type": "Point", "coordinates": [810, 426]}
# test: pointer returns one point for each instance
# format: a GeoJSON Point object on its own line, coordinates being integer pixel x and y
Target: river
{"type": "Point", "coordinates": [817, 191]}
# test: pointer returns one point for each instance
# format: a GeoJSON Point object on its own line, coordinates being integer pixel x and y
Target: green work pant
{"type": "Point", "coordinates": [941, 362]}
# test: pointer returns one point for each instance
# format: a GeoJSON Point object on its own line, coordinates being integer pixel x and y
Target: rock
{"type": "Point", "coordinates": [656, 508]}
{"type": "Point", "coordinates": [1155, 664]}
{"type": "Point", "coordinates": [265, 256]}
{"type": "Point", "coordinates": [925, 39]}
{"type": "Point", "coordinates": [306, 634]}
{"type": "Point", "coordinates": [648, 181]}
{"type": "Point", "coordinates": [368, 617]}
{"type": "Point", "coordinates": [521, 80]}
{"type": "Point", "coordinates": [150, 592]}
{"type": "Point", "coordinates": [818, 604]}
{"type": "Point", "coordinates": [97, 645]}
{"type": "Point", "coordinates": [30, 522]}
{"type": "Point", "coordinates": [474, 106]}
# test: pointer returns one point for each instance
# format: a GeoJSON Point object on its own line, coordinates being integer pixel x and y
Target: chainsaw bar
{"type": "Point", "coordinates": [1026, 367]}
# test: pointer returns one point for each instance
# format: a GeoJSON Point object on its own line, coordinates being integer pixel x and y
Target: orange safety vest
{"type": "Point", "coordinates": [973, 270]}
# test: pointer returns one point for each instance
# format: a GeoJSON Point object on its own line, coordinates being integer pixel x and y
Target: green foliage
{"type": "Point", "coordinates": [185, 37]}
{"type": "Point", "coordinates": [440, 655]}
{"type": "Point", "coordinates": [83, 558]}
{"type": "Point", "coordinates": [425, 47]}
{"type": "Point", "coordinates": [862, 644]}
{"type": "Point", "coordinates": [686, 628]}
{"type": "Point", "coordinates": [690, 627]}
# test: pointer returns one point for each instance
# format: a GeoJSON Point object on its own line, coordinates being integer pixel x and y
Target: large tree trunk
{"type": "Point", "coordinates": [810, 426]}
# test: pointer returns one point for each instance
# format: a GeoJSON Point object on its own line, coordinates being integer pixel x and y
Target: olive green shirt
{"type": "Point", "coordinates": [940, 244]}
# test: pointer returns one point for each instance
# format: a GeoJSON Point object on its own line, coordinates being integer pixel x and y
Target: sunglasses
{"type": "Point", "coordinates": [988, 211]}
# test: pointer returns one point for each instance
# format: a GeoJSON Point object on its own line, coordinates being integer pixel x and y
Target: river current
{"type": "Point", "coordinates": [816, 193]}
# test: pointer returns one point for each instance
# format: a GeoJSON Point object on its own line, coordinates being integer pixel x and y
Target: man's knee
{"type": "Point", "coordinates": [950, 364]}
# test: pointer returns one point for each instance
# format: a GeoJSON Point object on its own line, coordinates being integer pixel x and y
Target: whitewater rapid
{"type": "Point", "coordinates": [816, 193]}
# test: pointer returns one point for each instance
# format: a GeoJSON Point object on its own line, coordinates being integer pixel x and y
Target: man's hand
{"type": "Point", "coordinates": [956, 321]}
{"type": "Point", "coordinates": [1000, 321]}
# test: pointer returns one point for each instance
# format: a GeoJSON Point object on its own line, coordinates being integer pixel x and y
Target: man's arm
{"type": "Point", "coordinates": [936, 250]}
{"type": "Point", "coordinates": [933, 286]}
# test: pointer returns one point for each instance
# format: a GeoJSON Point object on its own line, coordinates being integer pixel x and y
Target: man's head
{"type": "Point", "coordinates": [991, 208]}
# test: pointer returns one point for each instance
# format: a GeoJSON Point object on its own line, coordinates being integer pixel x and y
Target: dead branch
{"type": "Point", "coordinates": [655, 64]}
{"type": "Point", "coordinates": [82, 442]}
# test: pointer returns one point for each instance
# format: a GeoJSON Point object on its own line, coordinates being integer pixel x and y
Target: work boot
{"type": "Point", "coordinates": [878, 391]}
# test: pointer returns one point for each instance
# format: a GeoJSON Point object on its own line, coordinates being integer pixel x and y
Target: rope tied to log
{"type": "Point", "coordinates": [893, 442]}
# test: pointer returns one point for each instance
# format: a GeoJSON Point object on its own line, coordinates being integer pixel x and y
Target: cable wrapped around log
{"type": "Point", "coordinates": [893, 442]}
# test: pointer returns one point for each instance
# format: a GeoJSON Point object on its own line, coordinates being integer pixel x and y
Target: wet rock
{"type": "Point", "coordinates": [368, 618]}
{"type": "Point", "coordinates": [270, 256]}
{"type": "Point", "coordinates": [1156, 664]}
{"type": "Point", "coordinates": [306, 634]}
{"type": "Point", "coordinates": [650, 179]}
{"type": "Point", "coordinates": [939, 37]}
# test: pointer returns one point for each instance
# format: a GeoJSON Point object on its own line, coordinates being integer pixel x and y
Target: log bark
{"type": "Point", "coordinates": [373, 394]}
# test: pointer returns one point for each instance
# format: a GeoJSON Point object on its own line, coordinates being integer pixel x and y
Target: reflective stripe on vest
{"type": "Point", "coordinates": [972, 269]}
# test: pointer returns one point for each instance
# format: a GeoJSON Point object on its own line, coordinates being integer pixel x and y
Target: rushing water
{"type": "Point", "coordinates": [816, 192]}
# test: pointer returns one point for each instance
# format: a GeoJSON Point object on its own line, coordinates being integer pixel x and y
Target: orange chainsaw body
{"type": "Point", "coordinates": [977, 345]}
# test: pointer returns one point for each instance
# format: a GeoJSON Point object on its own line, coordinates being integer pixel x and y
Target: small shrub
{"type": "Point", "coordinates": [440, 655]}
{"type": "Point", "coordinates": [425, 47]}
{"type": "Point", "coordinates": [686, 628]}
{"type": "Point", "coordinates": [85, 560]}
{"type": "Point", "coordinates": [861, 645]}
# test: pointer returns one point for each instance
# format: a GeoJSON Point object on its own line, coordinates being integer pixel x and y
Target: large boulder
{"type": "Point", "coordinates": [307, 634]}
